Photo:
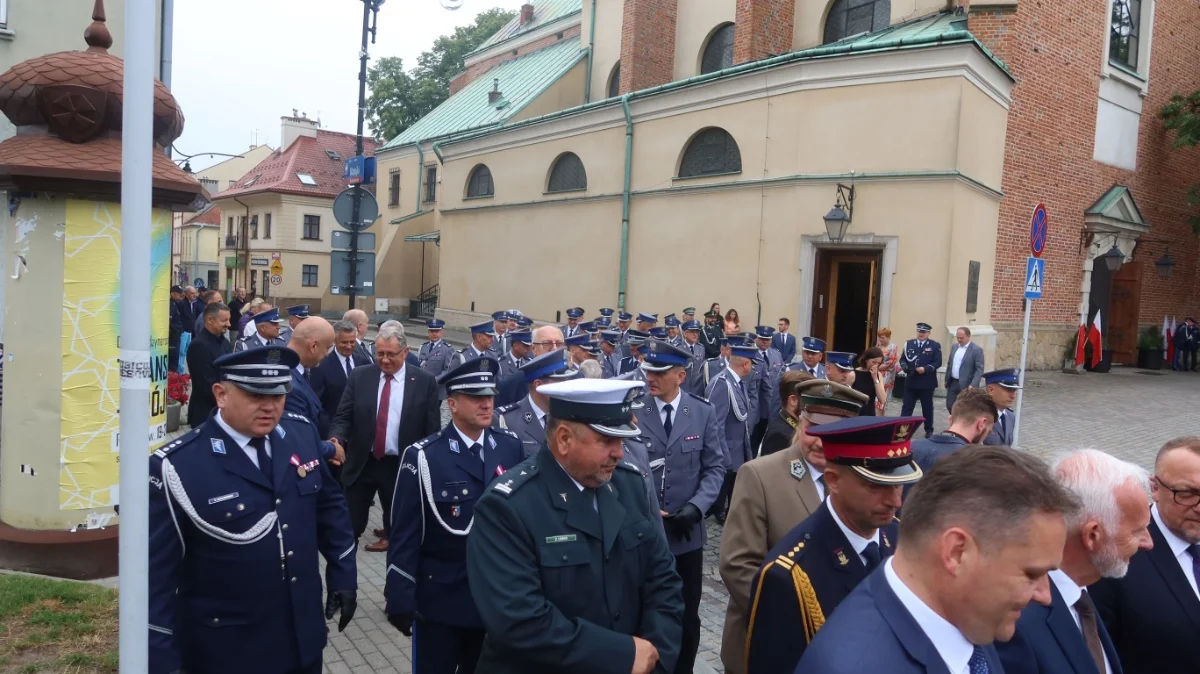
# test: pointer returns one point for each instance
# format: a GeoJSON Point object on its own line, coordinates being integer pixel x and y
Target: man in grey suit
{"type": "Point", "coordinates": [694, 383]}
{"type": "Point", "coordinates": [1002, 386]}
{"type": "Point", "coordinates": [964, 369]}
{"type": "Point", "coordinates": [679, 431]}
{"type": "Point", "coordinates": [527, 416]}
{"type": "Point", "coordinates": [730, 397]}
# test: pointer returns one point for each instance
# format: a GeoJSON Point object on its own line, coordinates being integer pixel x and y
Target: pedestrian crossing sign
{"type": "Point", "coordinates": [1035, 278]}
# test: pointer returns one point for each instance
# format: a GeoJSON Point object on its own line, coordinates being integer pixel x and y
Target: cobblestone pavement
{"type": "Point", "coordinates": [1126, 413]}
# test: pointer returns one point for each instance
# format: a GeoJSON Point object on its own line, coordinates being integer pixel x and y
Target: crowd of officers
{"type": "Point", "coordinates": [557, 523]}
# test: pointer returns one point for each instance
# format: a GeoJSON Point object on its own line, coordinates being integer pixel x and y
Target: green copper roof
{"type": "Point", "coordinates": [544, 12]}
{"type": "Point", "coordinates": [1110, 205]}
{"type": "Point", "coordinates": [521, 80]}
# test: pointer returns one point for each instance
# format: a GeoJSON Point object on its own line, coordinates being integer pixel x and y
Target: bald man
{"type": "Point", "coordinates": [359, 318]}
{"type": "Point", "coordinates": [311, 339]}
{"type": "Point", "coordinates": [513, 387]}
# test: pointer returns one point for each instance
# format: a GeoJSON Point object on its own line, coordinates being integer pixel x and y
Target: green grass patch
{"type": "Point", "coordinates": [56, 626]}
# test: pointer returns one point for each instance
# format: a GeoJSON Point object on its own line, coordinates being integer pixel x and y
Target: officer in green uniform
{"type": "Point", "coordinates": [566, 564]}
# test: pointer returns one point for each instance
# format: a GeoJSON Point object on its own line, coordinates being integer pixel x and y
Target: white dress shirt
{"type": "Point", "coordinates": [1179, 548]}
{"type": "Point", "coordinates": [1071, 593]}
{"type": "Point", "coordinates": [959, 355]}
{"type": "Point", "coordinates": [857, 542]}
{"type": "Point", "coordinates": [243, 441]}
{"type": "Point", "coordinates": [395, 404]}
{"type": "Point", "coordinates": [537, 411]}
{"type": "Point", "coordinates": [662, 416]}
{"type": "Point", "coordinates": [467, 442]}
{"type": "Point", "coordinates": [954, 648]}
{"type": "Point", "coordinates": [347, 363]}
{"type": "Point", "coordinates": [300, 368]}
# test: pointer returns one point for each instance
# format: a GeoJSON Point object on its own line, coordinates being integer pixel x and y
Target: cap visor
{"type": "Point", "coordinates": [625, 430]}
{"type": "Point", "coordinates": [1014, 387]}
{"type": "Point", "coordinates": [648, 367]}
{"type": "Point", "coordinates": [811, 350]}
{"type": "Point", "coordinates": [488, 390]}
{"type": "Point", "coordinates": [263, 389]}
{"type": "Point", "coordinates": [906, 474]}
{"type": "Point", "coordinates": [818, 418]}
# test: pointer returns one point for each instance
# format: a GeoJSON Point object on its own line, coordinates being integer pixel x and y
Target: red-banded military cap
{"type": "Point", "coordinates": [877, 448]}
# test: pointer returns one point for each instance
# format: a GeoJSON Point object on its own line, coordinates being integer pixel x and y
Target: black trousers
{"type": "Point", "coordinates": [690, 567]}
{"type": "Point", "coordinates": [1184, 356]}
{"type": "Point", "coordinates": [756, 435]}
{"type": "Point", "coordinates": [910, 402]}
{"type": "Point", "coordinates": [721, 506]}
{"type": "Point", "coordinates": [377, 477]}
{"type": "Point", "coordinates": [443, 649]}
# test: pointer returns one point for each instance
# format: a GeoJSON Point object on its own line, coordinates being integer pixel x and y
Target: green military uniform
{"type": "Point", "coordinates": [565, 576]}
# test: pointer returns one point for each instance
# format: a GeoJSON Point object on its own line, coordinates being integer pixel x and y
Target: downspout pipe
{"type": "Point", "coordinates": [587, 84]}
{"type": "Point", "coordinates": [625, 193]}
{"type": "Point", "coordinates": [437, 152]}
{"type": "Point", "coordinates": [420, 175]}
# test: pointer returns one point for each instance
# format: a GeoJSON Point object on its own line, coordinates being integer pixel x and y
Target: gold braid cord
{"type": "Point", "coordinates": [810, 609]}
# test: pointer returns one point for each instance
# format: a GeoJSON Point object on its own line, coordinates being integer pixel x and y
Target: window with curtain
{"type": "Point", "coordinates": [718, 53]}
{"type": "Point", "coordinates": [480, 183]}
{"type": "Point", "coordinates": [852, 17]}
{"type": "Point", "coordinates": [567, 174]}
{"type": "Point", "coordinates": [712, 151]}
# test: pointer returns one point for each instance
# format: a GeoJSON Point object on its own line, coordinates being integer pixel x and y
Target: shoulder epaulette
{"type": "Point", "coordinates": [298, 417]}
{"type": "Point", "coordinates": [701, 399]}
{"type": "Point", "coordinates": [508, 408]}
{"type": "Point", "coordinates": [516, 477]}
{"type": "Point", "coordinates": [424, 441]}
{"type": "Point", "coordinates": [163, 451]}
{"type": "Point", "coordinates": [507, 432]}
{"type": "Point", "coordinates": [630, 466]}
{"type": "Point", "coordinates": [812, 616]}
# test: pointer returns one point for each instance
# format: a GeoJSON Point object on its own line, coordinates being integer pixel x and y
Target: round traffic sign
{"type": "Point", "coordinates": [343, 208]}
{"type": "Point", "coordinates": [276, 279]}
{"type": "Point", "coordinates": [1039, 228]}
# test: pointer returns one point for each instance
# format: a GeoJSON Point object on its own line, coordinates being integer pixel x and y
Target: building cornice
{"type": "Point", "coordinates": [962, 59]}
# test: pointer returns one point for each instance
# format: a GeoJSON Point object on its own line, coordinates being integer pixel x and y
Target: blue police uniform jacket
{"type": "Point", "coordinates": [434, 355]}
{"type": "Point", "coordinates": [303, 400]}
{"type": "Point", "coordinates": [872, 631]}
{"type": "Point", "coordinates": [510, 365]}
{"type": "Point", "coordinates": [256, 340]}
{"type": "Point", "coordinates": [439, 483]}
{"type": "Point", "coordinates": [687, 465]}
{"type": "Point", "coordinates": [735, 416]}
{"type": "Point", "coordinates": [805, 576]}
{"type": "Point", "coordinates": [234, 581]}
{"type": "Point", "coordinates": [1002, 430]}
{"type": "Point", "coordinates": [771, 365]}
{"type": "Point", "coordinates": [521, 420]}
{"type": "Point", "coordinates": [564, 577]}
{"type": "Point", "coordinates": [627, 364]}
{"type": "Point", "coordinates": [928, 356]}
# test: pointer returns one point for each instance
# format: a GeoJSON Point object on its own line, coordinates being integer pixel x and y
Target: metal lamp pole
{"type": "Point", "coordinates": [369, 24]}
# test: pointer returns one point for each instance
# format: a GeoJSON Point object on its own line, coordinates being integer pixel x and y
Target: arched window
{"type": "Point", "coordinates": [712, 151]}
{"type": "Point", "coordinates": [718, 53]}
{"type": "Point", "coordinates": [852, 17]}
{"type": "Point", "coordinates": [480, 183]}
{"type": "Point", "coordinates": [614, 81]}
{"type": "Point", "coordinates": [567, 174]}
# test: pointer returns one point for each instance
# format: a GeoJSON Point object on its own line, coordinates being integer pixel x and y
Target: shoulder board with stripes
{"type": "Point", "coordinates": [162, 452]}
{"type": "Point", "coordinates": [508, 408]}
{"type": "Point", "coordinates": [505, 431]}
{"type": "Point", "coordinates": [298, 417]}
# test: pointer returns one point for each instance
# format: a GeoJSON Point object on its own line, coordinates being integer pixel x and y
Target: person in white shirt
{"type": "Point", "coordinates": [1066, 635]}
{"type": "Point", "coordinates": [978, 539]}
{"type": "Point", "coordinates": [1153, 612]}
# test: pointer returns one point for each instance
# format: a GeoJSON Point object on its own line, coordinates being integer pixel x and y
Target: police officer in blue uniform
{"type": "Point", "coordinates": [436, 352]}
{"type": "Point", "coordinates": [572, 326]}
{"type": "Point", "coordinates": [732, 400]}
{"type": "Point", "coordinates": [673, 334]}
{"type": "Point", "coordinates": [527, 417]}
{"type": "Point", "coordinates": [610, 353]}
{"type": "Point", "coordinates": [679, 431]}
{"type": "Point", "coordinates": [240, 508]}
{"type": "Point", "coordinates": [267, 325]}
{"type": "Point", "coordinates": [441, 478]}
{"type": "Point", "coordinates": [567, 565]}
{"type": "Point", "coordinates": [501, 342]}
{"type": "Point", "coordinates": [921, 359]}
{"type": "Point", "coordinates": [296, 315]}
{"type": "Point", "coordinates": [769, 363]}
{"type": "Point", "coordinates": [623, 320]}
{"type": "Point", "coordinates": [812, 350]}
{"type": "Point", "coordinates": [1002, 386]}
{"type": "Point", "coordinates": [635, 340]}
{"type": "Point", "coordinates": [520, 342]}
{"type": "Point", "coordinates": [311, 341]}
{"type": "Point", "coordinates": [690, 342]}
{"type": "Point", "coordinates": [483, 337]}
{"type": "Point", "coordinates": [713, 367]}
{"type": "Point", "coordinates": [817, 564]}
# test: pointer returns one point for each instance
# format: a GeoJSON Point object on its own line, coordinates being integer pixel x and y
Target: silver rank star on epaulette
{"type": "Point", "coordinates": [301, 417]}
{"type": "Point", "coordinates": [508, 408]}
{"type": "Point", "coordinates": [503, 487]}
{"type": "Point", "coordinates": [506, 432]}
{"type": "Point", "coordinates": [162, 452]}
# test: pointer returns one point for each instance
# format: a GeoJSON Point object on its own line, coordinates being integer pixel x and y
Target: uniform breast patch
{"type": "Point", "coordinates": [798, 469]}
{"type": "Point", "coordinates": [218, 446]}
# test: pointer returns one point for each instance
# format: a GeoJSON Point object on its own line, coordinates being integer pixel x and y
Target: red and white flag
{"type": "Point", "coordinates": [1166, 335]}
{"type": "Point", "coordinates": [1081, 339]}
{"type": "Point", "coordinates": [1094, 338]}
{"type": "Point", "coordinates": [1170, 341]}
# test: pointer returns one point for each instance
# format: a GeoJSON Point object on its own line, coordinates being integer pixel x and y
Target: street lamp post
{"type": "Point", "coordinates": [370, 22]}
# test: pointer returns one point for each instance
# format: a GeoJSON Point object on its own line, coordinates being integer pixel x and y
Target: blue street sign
{"type": "Point", "coordinates": [1035, 278]}
{"type": "Point", "coordinates": [360, 170]}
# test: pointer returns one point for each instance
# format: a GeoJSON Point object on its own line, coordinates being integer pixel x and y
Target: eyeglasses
{"type": "Point", "coordinates": [551, 344]}
{"type": "Point", "coordinates": [1183, 497]}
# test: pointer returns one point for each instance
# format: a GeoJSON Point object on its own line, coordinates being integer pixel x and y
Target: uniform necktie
{"type": "Point", "coordinates": [307, 374]}
{"type": "Point", "coordinates": [978, 663]}
{"type": "Point", "coordinates": [1194, 551]}
{"type": "Point", "coordinates": [474, 449]}
{"type": "Point", "coordinates": [667, 422]}
{"type": "Point", "coordinates": [1004, 424]}
{"type": "Point", "coordinates": [264, 461]}
{"type": "Point", "coordinates": [742, 386]}
{"type": "Point", "coordinates": [871, 554]}
{"type": "Point", "coordinates": [821, 484]}
{"type": "Point", "coordinates": [381, 418]}
{"type": "Point", "coordinates": [1091, 631]}
{"type": "Point", "coordinates": [349, 367]}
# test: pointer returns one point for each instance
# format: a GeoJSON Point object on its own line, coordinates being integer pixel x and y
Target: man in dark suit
{"type": "Point", "coordinates": [1153, 613]}
{"type": "Point", "coordinates": [784, 342]}
{"type": "Point", "coordinates": [311, 340]}
{"type": "Point", "coordinates": [206, 298]}
{"type": "Point", "coordinates": [964, 368]}
{"type": "Point", "coordinates": [921, 359]}
{"type": "Point", "coordinates": [209, 345]}
{"type": "Point", "coordinates": [514, 387]}
{"type": "Point", "coordinates": [358, 318]}
{"type": "Point", "coordinates": [850, 534]}
{"type": "Point", "coordinates": [1187, 342]}
{"type": "Point", "coordinates": [1067, 635]}
{"type": "Point", "coordinates": [329, 379]}
{"type": "Point", "coordinates": [978, 519]}
{"type": "Point", "coordinates": [385, 407]}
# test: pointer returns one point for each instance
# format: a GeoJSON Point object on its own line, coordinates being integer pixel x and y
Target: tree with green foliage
{"type": "Point", "coordinates": [397, 99]}
{"type": "Point", "coordinates": [1182, 115]}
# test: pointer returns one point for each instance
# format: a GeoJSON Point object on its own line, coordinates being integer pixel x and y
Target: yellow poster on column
{"type": "Point", "coordinates": [91, 315]}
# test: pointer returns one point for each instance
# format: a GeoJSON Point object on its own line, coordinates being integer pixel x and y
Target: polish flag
{"type": "Point", "coordinates": [1093, 338]}
{"type": "Point", "coordinates": [1170, 341]}
{"type": "Point", "coordinates": [1081, 339]}
{"type": "Point", "coordinates": [1166, 335]}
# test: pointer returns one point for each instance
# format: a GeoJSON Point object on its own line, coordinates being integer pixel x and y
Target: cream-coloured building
{"type": "Point", "coordinates": [277, 231]}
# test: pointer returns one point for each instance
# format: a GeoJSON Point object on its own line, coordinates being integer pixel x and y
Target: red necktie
{"type": "Point", "coordinates": [381, 418]}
